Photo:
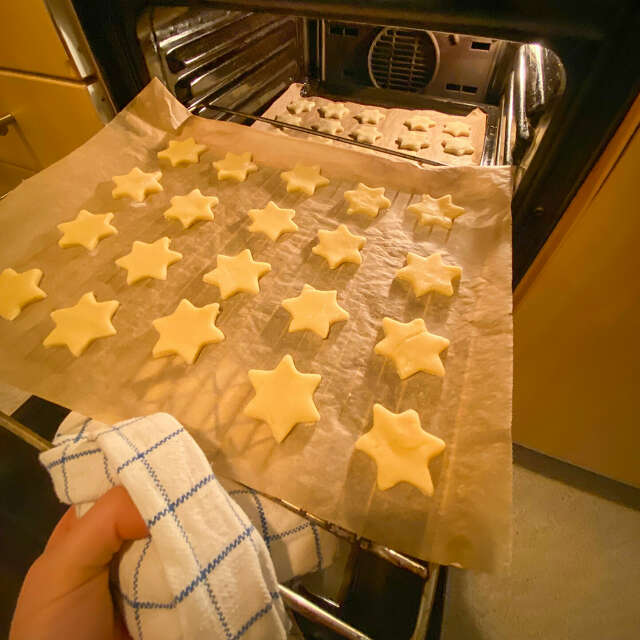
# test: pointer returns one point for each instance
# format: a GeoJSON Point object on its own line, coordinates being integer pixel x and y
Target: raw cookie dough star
{"type": "Point", "coordinates": [284, 397]}
{"type": "Point", "coordinates": [429, 274]}
{"type": "Point", "coordinates": [419, 123]}
{"type": "Point", "coordinates": [187, 330]}
{"type": "Point", "coordinates": [17, 290]}
{"type": "Point", "coordinates": [333, 110]}
{"type": "Point", "coordinates": [137, 184]}
{"type": "Point", "coordinates": [272, 221]}
{"type": "Point", "coordinates": [457, 146]}
{"type": "Point", "coordinates": [289, 118]}
{"type": "Point", "coordinates": [369, 116]}
{"type": "Point", "coordinates": [413, 140]}
{"type": "Point", "coordinates": [411, 347]}
{"type": "Point", "coordinates": [456, 128]}
{"type": "Point", "coordinates": [300, 106]}
{"type": "Point", "coordinates": [194, 206]}
{"type": "Point", "coordinates": [235, 166]}
{"type": "Point", "coordinates": [440, 211]}
{"type": "Point", "coordinates": [339, 246]}
{"type": "Point", "coordinates": [365, 133]}
{"type": "Point", "coordinates": [304, 178]}
{"type": "Point", "coordinates": [78, 326]}
{"type": "Point", "coordinates": [401, 449]}
{"type": "Point", "coordinates": [86, 230]}
{"type": "Point", "coordinates": [314, 310]}
{"type": "Point", "coordinates": [237, 273]}
{"type": "Point", "coordinates": [182, 152]}
{"type": "Point", "coordinates": [328, 126]}
{"type": "Point", "coordinates": [367, 200]}
{"type": "Point", "coordinates": [148, 260]}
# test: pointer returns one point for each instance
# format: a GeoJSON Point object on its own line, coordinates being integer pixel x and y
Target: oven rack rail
{"type": "Point", "coordinates": [292, 599]}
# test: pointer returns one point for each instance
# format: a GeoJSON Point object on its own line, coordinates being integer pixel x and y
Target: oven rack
{"type": "Point", "coordinates": [291, 598]}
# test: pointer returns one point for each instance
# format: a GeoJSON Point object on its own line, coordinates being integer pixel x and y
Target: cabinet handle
{"type": "Point", "coordinates": [5, 121]}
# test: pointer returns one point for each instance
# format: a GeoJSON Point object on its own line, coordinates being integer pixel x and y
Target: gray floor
{"type": "Point", "coordinates": [576, 562]}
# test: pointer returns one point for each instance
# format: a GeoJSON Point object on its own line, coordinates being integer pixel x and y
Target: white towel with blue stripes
{"type": "Point", "coordinates": [205, 571]}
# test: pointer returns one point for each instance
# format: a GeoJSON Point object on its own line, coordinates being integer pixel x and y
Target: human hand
{"type": "Point", "coordinates": [65, 593]}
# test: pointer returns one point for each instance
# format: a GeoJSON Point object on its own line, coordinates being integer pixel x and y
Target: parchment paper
{"type": "Point", "coordinates": [390, 127]}
{"type": "Point", "coordinates": [467, 521]}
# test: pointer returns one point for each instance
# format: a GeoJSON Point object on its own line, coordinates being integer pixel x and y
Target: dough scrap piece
{"type": "Point", "coordinates": [339, 246]}
{"type": "Point", "coordinates": [17, 290]}
{"type": "Point", "coordinates": [272, 220]}
{"type": "Point", "coordinates": [284, 397]}
{"type": "Point", "coordinates": [187, 330]}
{"type": "Point", "coordinates": [440, 211]}
{"type": "Point", "coordinates": [182, 152]}
{"type": "Point", "coordinates": [237, 273]}
{"type": "Point", "coordinates": [369, 116]}
{"type": "Point", "coordinates": [137, 184]}
{"type": "Point", "coordinates": [429, 274]}
{"type": "Point", "coordinates": [333, 110]}
{"type": "Point", "coordinates": [419, 123]}
{"type": "Point", "coordinates": [333, 127]}
{"type": "Point", "coordinates": [304, 178]}
{"type": "Point", "coordinates": [78, 326]}
{"type": "Point", "coordinates": [190, 208]}
{"type": "Point", "coordinates": [367, 200]}
{"type": "Point", "coordinates": [457, 146]}
{"type": "Point", "coordinates": [289, 118]}
{"type": "Point", "coordinates": [86, 230]}
{"type": "Point", "coordinates": [314, 310]}
{"type": "Point", "coordinates": [148, 260]}
{"type": "Point", "coordinates": [457, 128]}
{"type": "Point", "coordinates": [235, 166]}
{"type": "Point", "coordinates": [300, 106]}
{"type": "Point", "coordinates": [411, 347]}
{"type": "Point", "coordinates": [365, 133]}
{"type": "Point", "coordinates": [413, 140]}
{"type": "Point", "coordinates": [401, 449]}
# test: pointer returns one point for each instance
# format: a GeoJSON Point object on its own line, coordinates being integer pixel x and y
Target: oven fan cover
{"type": "Point", "coordinates": [403, 59]}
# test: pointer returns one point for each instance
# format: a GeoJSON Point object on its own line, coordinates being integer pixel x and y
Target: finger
{"type": "Point", "coordinates": [63, 527]}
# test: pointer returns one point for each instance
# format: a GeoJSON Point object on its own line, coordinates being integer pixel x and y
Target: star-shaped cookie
{"type": "Point", "coordinates": [401, 449]}
{"type": "Point", "coordinates": [284, 397]}
{"type": "Point", "coordinates": [367, 200]}
{"type": "Point", "coordinates": [235, 166]}
{"type": "Point", "coordinates": [440, 211]}
{"type": "Point", "coordinates": [369, 116]}
{"type": "Point", "coordinates": [328, 126]}
{"type": "Point", "coordinates": [272, 221]}
{"type": "Point", "coordinates": [456, 128]}
{"type": "Point", "coordinates": [194, 206]}
{"type": "Point", "coordinates": [300, 106]}
{"type": "Point", "coordinates": [187, 330]}
{"type": "Point", "coordinates": [413, 140]}
{"type": "Point", "coordinates": [429, 274]}
{"type": "Point", "coordinates": [457, 146]}
{"type": "Point", "coordinates": [314, 310]}
{"type": "Point", "coordinates": [339, 246]}
{"type": "Point", "coordinates": [365, 133]}
{"type": "Point", "coordinates": [148, 260]}
{"type": "Point", "coordinates": [182, 152]}
{"type": "Point", "coordinates": [17, 290]}
{"type": "Point", "coordinates": [304, 178]}
{"type": "Point", "coordinates": [137, 184]}
{"type": "Point", "coordinates": [289, 118]}
{"type": "Point", "coordinates": [411, 347]}
{"type": "Point", "coordinates": [237, 273]}
{"type": "Point", "coordinates": [333, 110]}
{"type": "Point", "coordinates": [419, 123]}
{"type": "Point", "coordinates": [78, 326]}
{"type": "Point", "coordinates": [86, 230]}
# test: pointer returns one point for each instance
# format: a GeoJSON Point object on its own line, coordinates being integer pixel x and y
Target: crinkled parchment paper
{"type": "Point", "coordinates": [390, 127]}
{"type": "Point", "coordinates": [467, 521]}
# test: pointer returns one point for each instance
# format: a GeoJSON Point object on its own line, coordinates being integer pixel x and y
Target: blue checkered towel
{"type": "Point", "coordinates": [205, 571]}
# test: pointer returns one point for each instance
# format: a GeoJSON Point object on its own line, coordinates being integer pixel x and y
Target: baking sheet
{"type": "Point", "coordinates": [468, 520]}
{"type": "Point", "coordinates": [390, 127]}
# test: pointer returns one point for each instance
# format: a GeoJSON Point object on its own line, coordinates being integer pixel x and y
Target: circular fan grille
{"type": "Point", "coordinates": [402, 59]}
